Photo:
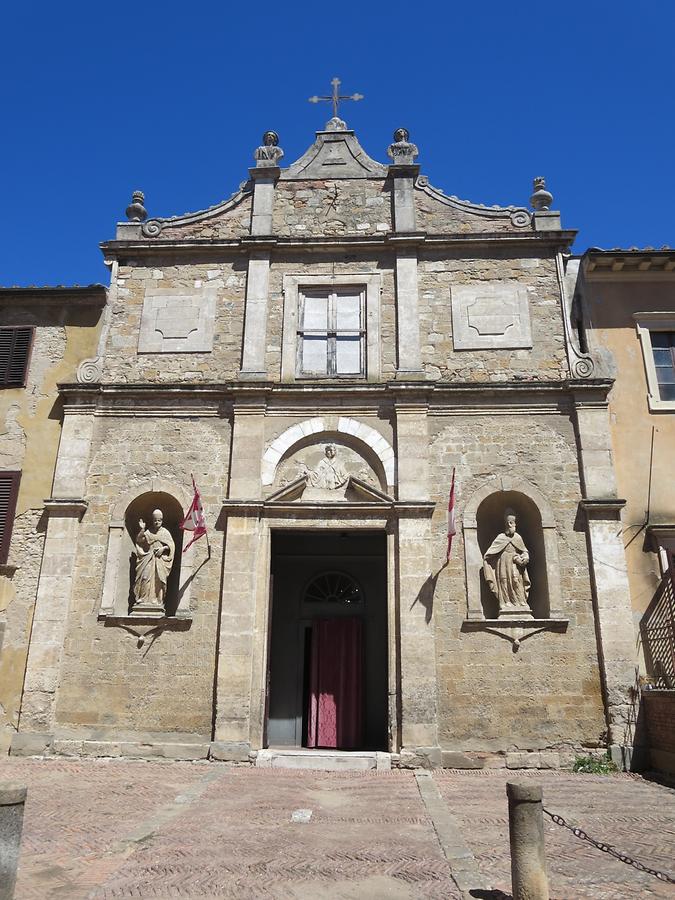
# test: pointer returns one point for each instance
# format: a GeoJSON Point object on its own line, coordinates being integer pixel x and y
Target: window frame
{"type": "Point", "coordinates": [293, 286]}
{"type": "Point", "coordinates": [13, 476]}
{"type": "Point", "coordinates": [332, 332]}
{"type": "Point", "coordinates": [646, 323]}
{"type": "Point", "coordinates": [4, 384]}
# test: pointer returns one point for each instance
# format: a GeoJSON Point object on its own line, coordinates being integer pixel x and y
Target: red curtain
{"type": "Point", "coordinates": [335, 715]}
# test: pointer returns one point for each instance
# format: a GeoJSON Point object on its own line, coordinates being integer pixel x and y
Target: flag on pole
{"type": "Point", "coordinates": [194, 520]}
{"type": "Point", "coordinates": [452, 530]}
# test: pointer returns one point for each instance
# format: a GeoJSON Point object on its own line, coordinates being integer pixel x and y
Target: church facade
{"type": "Point", "coordinates": [321, 352]}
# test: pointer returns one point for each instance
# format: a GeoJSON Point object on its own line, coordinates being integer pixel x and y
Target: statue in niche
{"type": "Point", "coordinates": [269, 153]}
{"type": "Point", "coordinates": [328, 474]}
{"type": "Point", "coordinates": [155, 551]}
{"type": "Point", "coordinates": [504, 567]}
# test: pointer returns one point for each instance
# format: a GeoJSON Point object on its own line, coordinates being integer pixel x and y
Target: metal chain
{"type": "Point", "coordinates": [607, 848]}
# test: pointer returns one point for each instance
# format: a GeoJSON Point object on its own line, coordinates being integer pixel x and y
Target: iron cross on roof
{"type": "Point", "coordinates": [336, 96]}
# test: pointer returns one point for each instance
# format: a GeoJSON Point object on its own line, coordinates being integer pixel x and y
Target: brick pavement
{"type": "Point", "coordinates": [104, 829]}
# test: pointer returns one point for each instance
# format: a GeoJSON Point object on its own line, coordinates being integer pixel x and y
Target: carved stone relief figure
{"type": "Point", "coordinates": [155, 551]}
{"type": "Point", "coordinates": [328, 474]}
{"type": "Point", "coordinates": [327, 469]}
{"type": "Point", "coordinates": [504, 567]}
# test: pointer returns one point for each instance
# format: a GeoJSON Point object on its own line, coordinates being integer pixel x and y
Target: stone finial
{"type": "Point", "coordinates": [402, 152]}
{"type": "Point", "coordinates": [269, 153]}
{"type": "Point", "coordinates": [136, 212]}
{"type": "Point", "coordinates": [541, 198]}
{"type": "Point", "coordinates": [336, 124]}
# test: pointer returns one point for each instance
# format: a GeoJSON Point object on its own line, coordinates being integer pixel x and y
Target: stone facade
{"type": "Point", "coordinates": [236, 409]}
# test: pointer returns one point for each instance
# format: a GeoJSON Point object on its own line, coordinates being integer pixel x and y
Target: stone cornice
{"type": "Point", "coordinates": [203, 248]}
{"type": "Point", "coordinates": [629, 265]}
{"type": "Point", "coordinates": [438, 397]}
{"type": "Point", "coordinates": [338, 509]}
{"type": "Point", "coordinates": [66, 506]}
{"type": "Point", "coordinates": [93, 294]}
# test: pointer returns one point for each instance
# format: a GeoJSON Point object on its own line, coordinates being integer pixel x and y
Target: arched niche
{"type": "Point", "coordinates": [356, 458]}
{"type": "Point", "coordinates": [117, 600]}
{"type": "Point", "coordinates": [483, 520]}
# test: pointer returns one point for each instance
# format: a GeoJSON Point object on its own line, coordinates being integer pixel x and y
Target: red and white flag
{"type": "Point", "coordinates": [452, 530]}
{"type": "Point", "coordinates": [194, 520]}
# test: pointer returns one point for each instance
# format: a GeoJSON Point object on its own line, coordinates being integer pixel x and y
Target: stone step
{"type": "Point", "coordinates": [323, 760]}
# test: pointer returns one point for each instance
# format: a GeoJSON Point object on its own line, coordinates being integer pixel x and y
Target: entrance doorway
{"type": "Point", "coordinates": [327, 680]}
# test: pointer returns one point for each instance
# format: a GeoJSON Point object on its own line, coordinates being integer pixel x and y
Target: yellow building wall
{"type": "Point", "coordinates": [611, 307]}
{"type": "Point", "coordinates": [31, 427]}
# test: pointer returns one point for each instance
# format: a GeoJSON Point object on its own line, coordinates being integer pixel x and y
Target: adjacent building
{"type": "Point", "coordinates": [45, 333]}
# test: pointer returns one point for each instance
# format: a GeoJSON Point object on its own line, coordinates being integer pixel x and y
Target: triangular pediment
{"type": "Point", "coordinates": [355, 490]}
{"type": "Point", "coordinates": [336, 153]}
{"type": "Point", "coordinates": [361, 490]}
{"type": "Point", "coordinates": [290, 491]}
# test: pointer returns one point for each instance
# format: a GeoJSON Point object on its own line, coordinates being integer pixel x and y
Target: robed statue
{"type": "Point", "coordinates": [504, 567]}
{"type": "Point", "coordinates": [328, 474]}
{"type": "Point", "coordinates": [155, 550]}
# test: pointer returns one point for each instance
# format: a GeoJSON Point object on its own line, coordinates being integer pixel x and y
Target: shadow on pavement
{"type": "Point", "coordinates": [490, 895]}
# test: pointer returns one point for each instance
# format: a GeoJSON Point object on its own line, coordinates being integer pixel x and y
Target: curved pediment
{"type": "Point", "coordinates": [336, 153]}
{"type": "Point", "coordinates": [439, 213]}
{"type": "Point", "coordinates": [230, 218]}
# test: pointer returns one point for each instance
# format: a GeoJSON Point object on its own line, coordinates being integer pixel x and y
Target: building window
{"type": "Point", "coordinates": [663, 350]}
{"type": "Point", "coordinates": [334, 587]}
{"type": "Point", "coordinates": [656, 331]}
{"type": "Point", "coordinates": [9, 490]}
{"type": "Point", "coordinates": [331, 326]}
{"type": "Point", "coordinates": [15, 344]}
{"type": "Point", "coordinates": [331, 336]}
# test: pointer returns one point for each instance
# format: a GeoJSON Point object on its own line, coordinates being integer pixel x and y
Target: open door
{"type": "Point", "coordinates": [335, 713]}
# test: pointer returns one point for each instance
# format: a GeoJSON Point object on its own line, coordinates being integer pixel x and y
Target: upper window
{"type": "Point", "coordinates": [15, 344]}
{"type": "Point", "coordinates": [9, 490]}
{"type": "Point", "coordinates": [331, 326]}
{"type": "Point", "coordinates": [656, 331]}
{"type": "Point", "coordinates": [663, 349]}
{"type": "Point", "coordinates": [331, 336]}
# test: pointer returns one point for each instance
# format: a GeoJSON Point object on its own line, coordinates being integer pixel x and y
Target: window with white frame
{"type": "Point", "coordinates": [331, 326]}
{"type": "Point", "coordinates": [656, 331]}
{"type": "Point", "coordinates": [331, 335]}
{"type": "Point", "coordinates": [663, 351]}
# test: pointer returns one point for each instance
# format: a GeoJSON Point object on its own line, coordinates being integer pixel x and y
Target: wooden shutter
{"type": "Point", "coordinates": [9, 490]}
{"type": "Point", "coordinates": [15, 344]}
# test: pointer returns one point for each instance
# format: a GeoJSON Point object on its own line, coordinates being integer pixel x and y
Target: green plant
{"type": "Point", "coordinates": [589, 765]}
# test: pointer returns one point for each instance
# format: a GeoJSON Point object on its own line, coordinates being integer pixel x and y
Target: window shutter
{"type": "Point", "coordinates": [15, 344]}
{"type": "Point", "coordinates": [9, 491]}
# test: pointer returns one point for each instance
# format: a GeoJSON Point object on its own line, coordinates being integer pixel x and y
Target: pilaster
{"type": "Point", "coordinates": [241, 584]}
{"type": "Point", "coordinates": [403, 179]}
{"type": "Point", "coordinates": [419, 706]}
{"type": "Point", "coordinates": [50, 617]}
{"type": "Point", "coordinates": [255, 316]}
{"type": "Point", "coordinates": [264, 183]}
{"type": "Point", "coordinates": [407, 294]}
{"type": "Point", "coordinates": [617, 652]}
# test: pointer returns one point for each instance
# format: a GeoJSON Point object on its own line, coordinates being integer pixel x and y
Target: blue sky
{"type": "Point", "coordinates": [172, 98]}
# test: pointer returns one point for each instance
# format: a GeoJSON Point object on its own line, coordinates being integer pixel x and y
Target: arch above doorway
{"type": "Point", "coordinates": [359, 432]}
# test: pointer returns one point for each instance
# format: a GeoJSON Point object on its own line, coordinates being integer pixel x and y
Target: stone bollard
{"type": "Point", "coordinates": [526, 833]}
{"type": "Point", "coordinates": [12, 800]}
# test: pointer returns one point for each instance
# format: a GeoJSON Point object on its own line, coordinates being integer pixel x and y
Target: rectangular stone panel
{"type": "Point", "coordinates": [490, 316]}
{"type": "Point", "coordinates": [176, 321]}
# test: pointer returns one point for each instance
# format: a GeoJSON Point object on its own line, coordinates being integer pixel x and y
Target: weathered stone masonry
{"type": "Point", "coordinates": [467, 366]}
